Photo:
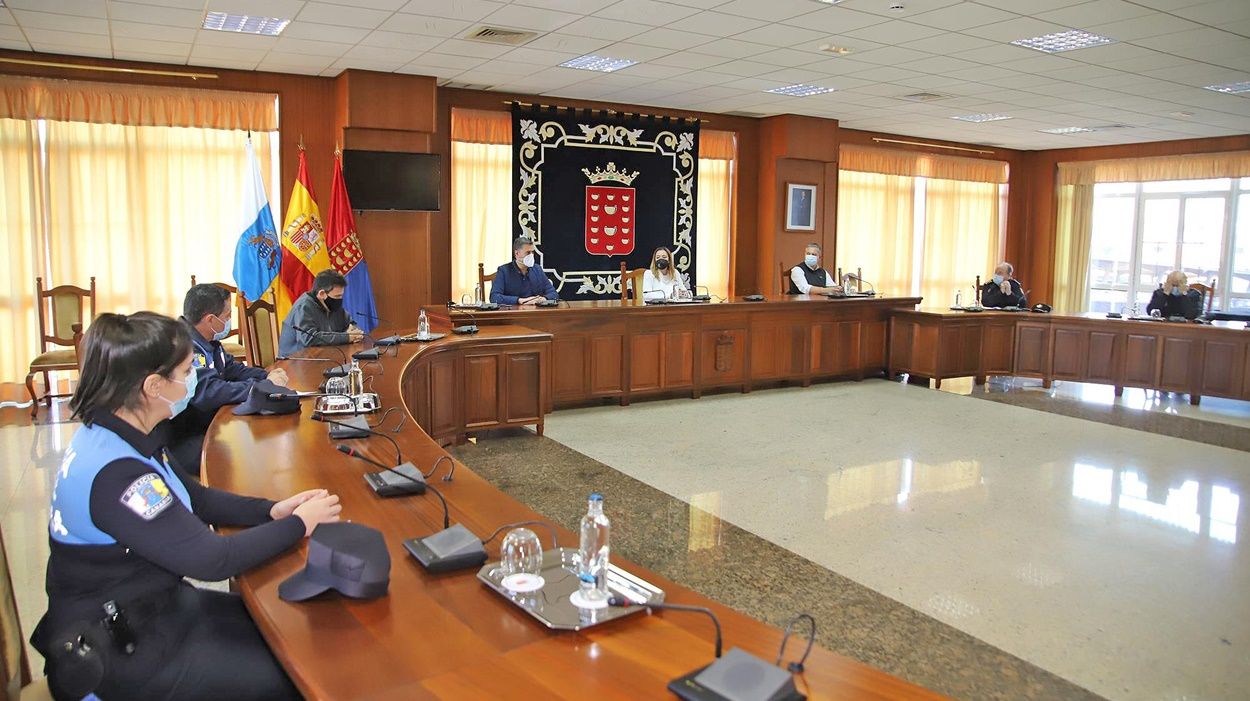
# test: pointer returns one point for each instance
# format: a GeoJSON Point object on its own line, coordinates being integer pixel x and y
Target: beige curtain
{"type": "Point", "coordinates": [921, 165]}
{"type": "Point", "coordinates": [481, 195]}
{"type": "Point", "coordinates": [714, 210]}
{"type": "Point", "coordinates": [875, 228]}
{"type": "Point", "coordinates": [960, 237]}
{"type": "Point", "coordinates": [21, 224]}
{"type": "Point", "coordinates": [1074, 224]}
{"type": "Point", "coordinates": [1198, 166]}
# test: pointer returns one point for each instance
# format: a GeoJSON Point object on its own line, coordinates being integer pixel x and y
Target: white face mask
{"type": "Point", "coordinates": [528, 260]}
{"type": "Point", "coordinates": [810, 260]}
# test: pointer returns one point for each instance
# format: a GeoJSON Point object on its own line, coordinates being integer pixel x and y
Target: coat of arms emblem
{"type": "Point", "coordinates": [610, 212]}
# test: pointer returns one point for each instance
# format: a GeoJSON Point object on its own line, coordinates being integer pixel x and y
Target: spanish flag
{"type": "Point", "coordinates": [303, 242]}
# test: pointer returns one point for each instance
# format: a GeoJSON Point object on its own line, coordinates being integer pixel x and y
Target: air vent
{"type": "Point", "coordinates": [501, 35]}
{"type": "Point", "coordinates": [924, 97]}
{"type": "Point", "coordinates": [465, 86]}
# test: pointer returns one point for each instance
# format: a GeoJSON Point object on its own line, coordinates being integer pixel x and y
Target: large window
{"type": "Point", "coordinates": [1141, 231]}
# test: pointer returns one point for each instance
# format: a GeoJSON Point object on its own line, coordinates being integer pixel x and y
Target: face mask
{"type": "Point", "coordinates": [176, 408]}
{"type": "Point", "coordinates": [810, 261]}
{"type": "Point", "coordinates": [662, 264]}
{"type": "Point", "coordinates": [998, 279]}
{"type": "Point", "coordinates": [334, 304]}
{"type": "Point", "coordinates": [219, 335]}
{"type": "Point", "coordinates": [528, 260]}
{"type": "Point", "coordinates": [1176, 291]}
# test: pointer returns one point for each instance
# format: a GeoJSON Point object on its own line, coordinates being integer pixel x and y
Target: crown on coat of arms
{"type": "Point", "coordinates": [611, 173]}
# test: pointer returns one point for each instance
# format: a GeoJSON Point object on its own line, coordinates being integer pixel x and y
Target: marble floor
{"type": "Point", "coordinates": [1113, 557]}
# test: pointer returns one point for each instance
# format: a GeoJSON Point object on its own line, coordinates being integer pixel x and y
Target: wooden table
{"type": "Point", "coordinates": [1196, 359]}
{"type": "Point", "coordinates": [448, 637]}
{"type": "Point", "coordinates": [615, 350]}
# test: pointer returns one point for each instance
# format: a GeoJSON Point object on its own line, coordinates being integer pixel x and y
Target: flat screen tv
{"type": "Point", "coordinates": [387, 180]}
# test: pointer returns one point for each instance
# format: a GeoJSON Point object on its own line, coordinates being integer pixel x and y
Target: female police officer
{"type": "Point", "coordinates": [126, 526]}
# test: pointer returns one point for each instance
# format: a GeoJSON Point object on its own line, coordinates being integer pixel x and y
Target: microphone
{"type": "Point", "coordinates": [468, 328]}
{"type": "Point", "coordinates": [396, 481]}
{"type": "Point", "coordinates": [399, 456]}
{"type": "Point", "coordinates": [391, 340]}
{"type": "Point", "coordinates": [332, 372]}
{"type": "Point", "coordinates": [621, 601]}
{"type": "Point", "coordinates": [451, 549]}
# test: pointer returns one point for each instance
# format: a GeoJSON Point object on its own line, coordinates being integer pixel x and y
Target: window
{"type": "Point", "coordinates": [1141, 231]}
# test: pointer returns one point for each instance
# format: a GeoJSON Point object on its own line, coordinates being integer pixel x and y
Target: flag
{"type": "Point", "coordinates": [303, 242]}
{"type": "Point", "coordinates": [256, 254]}
{"type": "Point", "coordinates": [345, 253]}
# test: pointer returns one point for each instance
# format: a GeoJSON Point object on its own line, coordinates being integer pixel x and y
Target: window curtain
{"type": "Point", "coordinates": [1074, 225]}
{"type": "Point", "coordinates": [921, 165]}
{"type": "Point", "coordinates": [21, 216]}
{"type": "Point", "coordinates": [717, 155]}
{"type": "Point", "coordinates": [875, 228]}
{"type": "Point", "coordinates": [960, 237]}
{"type": "Point", "coordinates": [1199, 166]}
{"type": "Point", "coordinates": [481, 195]}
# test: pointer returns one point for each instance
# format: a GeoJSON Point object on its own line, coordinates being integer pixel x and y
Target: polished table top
{"type": "Point", "coordinates": [617, 306]}
{"type": "Point", "coordinates": [447, 636]}
{"type": "Point", "coordinates": [1024, 315]}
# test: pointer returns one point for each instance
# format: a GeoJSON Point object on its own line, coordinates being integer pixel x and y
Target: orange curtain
{"type": "Point", "coordinates": [481, 127]}
{"type": "Point", "coordinates": [714, 210]}
{"type": "Point", "coordinates": [921, 165]}
{"type": "Point", "coordinates": [481, 195]}
{"type": "Point", "coordinates": [875, 228]}
{"type": "Point", "coordinates": [960, 238]}
{"type": "Point", "coordinates": [1198, 166]}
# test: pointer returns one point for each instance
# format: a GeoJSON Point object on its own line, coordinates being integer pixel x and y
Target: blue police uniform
{"type": "Point", "coordinates": [510, 284]}
{"type": "Point", "coordinates": [221, 381]}
{"type": "Point", "coordinates": [126, 525]}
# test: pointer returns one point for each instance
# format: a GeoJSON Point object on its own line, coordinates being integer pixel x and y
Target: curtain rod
{"type": "Point", "coordinates": [921, 143]}
{"type": "Point", "coordinates": [108, 69]}
{"type": "Point", "coordinates": [518, 103]}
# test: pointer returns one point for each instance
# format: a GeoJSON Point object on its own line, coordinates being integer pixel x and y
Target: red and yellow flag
{"type": "Point", "coordinates": [303, 242]}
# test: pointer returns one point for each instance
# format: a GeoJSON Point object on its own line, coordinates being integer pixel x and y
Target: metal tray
{"type": "Point", "coordinates": [551, 605]}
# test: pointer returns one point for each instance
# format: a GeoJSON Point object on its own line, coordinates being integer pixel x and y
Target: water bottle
{"type": "Point", "coordinates": [592, 559]}
{"type": "Point", "coordinates": [423, 325]}
{"type": "Point", "coordinates": [355, 379]}
{"type": "Point", "coordinates": [959, 298]}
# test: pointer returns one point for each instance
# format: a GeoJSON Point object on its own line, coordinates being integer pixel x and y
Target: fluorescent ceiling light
{"type": "Point", "coordinates": [246, 24]}
{"type": "Point", "coordinates": [1064, 41]}
{"type": "Point", "coordinates": [1065, 130]}
{"type": "Point", "coordinates": [800, 90]}
{"type": "Point", "coordinates": [603, 64]}
{"type": "Point", "coordinates": [983, 117]}
{"type": "Point", "coordinates": [835, 49]}
{"type": "Point", "coordinates": [828, 2]}
{"type": "Point", "coordinates": [1231, 88]}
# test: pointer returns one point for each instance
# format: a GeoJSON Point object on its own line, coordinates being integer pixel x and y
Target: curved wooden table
{"type": "Point", "coordinates": [447, 636]}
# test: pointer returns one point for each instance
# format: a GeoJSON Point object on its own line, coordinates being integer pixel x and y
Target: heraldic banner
{"type": "Point", "coordinates": [593, 189]}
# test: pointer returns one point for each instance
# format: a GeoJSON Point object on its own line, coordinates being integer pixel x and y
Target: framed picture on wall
{"type": "Point", "coordinates": [800, 207]}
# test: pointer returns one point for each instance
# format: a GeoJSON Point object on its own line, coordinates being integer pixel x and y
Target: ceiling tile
{"type": "Point", "coordinates": [717, 24]}
{"type": "Point", "coordinates": [836, 20]}
{"type": "Point", "coordinates": [286, 64]}
{"type": "Point", "coordinates": [577, 7]}
{"type": "Point", "coordinates": [184, 4]}
{"type": "Point", "coordinates": [136, 30]}
{"type": "Point", "coordinates": [601, 28]}
{"type": "Point", "coordinates": [146, 57]}
{"type": "Point", "coordinates": [1216, 13]}
{"type": "Point", "coordinates": [557, 41]}
{"type": "Point", "coordinates": [938, 64]}
{"type": "Point", "coordinates": [287, 9]}
{"type": "Point", "coordinates": [307, 47]}
{"type": "Point", "coordinates": [1093, 13]}
{"type": "Point", "coordinates": [772, 11]}
{"type": "Point", "coordinates": [464, 63]}
{"type": "Point", "coordinates": [690, 60]}
{"type": "Point", "coordinates": [1205, 36]}
{"type": "Point", "coordinates": [151, 46]}
{"type": "Point", "coordinates": [324, 32]}
{"type": "Point", "coordinates": [530, 18]}
{"type": "Point", "coordinates": [243, 56]}
{"type": "Point", "coordinates": [539, 57]}
{"type": "Point", "coordinates": [423, 24]}
{"type": "Point", "coordinates": [79, 8]}
{"type": "Point", "coordinates": [325, 13]}
{"type": "Point", "coordinates": [45, 37]}
{"type": "Point", "coordinates": [780, 35]}
{"type": "Point", "coordinates": [670, 39]}
{"type": "Point", "coordinates": [961, 16]}
{"type": "Point", "coordinates": [789, 57]}
{"type": "Point", "coordinates": [69, 23]}
{"type": "Point", "coordinates": [395, 40]}
{"type": "Point", "coordinates": [151, 14]}
{"type": "Point", "coordinates": [634, 52]}
{"type": "Point", "coordinates": [476, 49]}
{"type": "Point", "coordinates": [234, 40]}
{"type": "Point", "coordinates": [894, 55]}
{"type": "Point", "coordinates": [386, 5]}
{"type": "Point", "coordinates": [895, 32]}
{"type": "Point", "coordinates": [656, 14]}
{"type": "Point", "coordinates": [418, 68]}
{"type": "Point", "coordinates": [469, 10]}
{"type": "Point", "coordinates": [1013, 29]}
{"type": "Point", "coordinates": [1142, 27]}
{"type": "Point", "coordinates": [745, 69]}
{"type": "Point", "coordinates": [652, 70]}
{"type": "Point", "coordinates": [914, 7]}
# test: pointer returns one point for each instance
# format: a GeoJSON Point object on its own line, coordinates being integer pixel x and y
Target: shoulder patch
{"type": "Point", "coordinates": [147, 496]}
{"type": "Point", "coordinates": [199, 362]}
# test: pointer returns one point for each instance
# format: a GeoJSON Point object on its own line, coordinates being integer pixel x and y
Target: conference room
{"type": "Point", "coordinates": [629, 349]}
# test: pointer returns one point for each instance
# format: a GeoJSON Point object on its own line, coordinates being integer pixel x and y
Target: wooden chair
{"type": "Point", "coordinates": [78, 345]}
{"type": "Point", "coordinates": [783, 273]}
{"type": "Point", "coordinates": [482, 279]}
{"type": "Point", "coordinates": [1208, 293]}
{"type": "Point", "coordinates": [17, 685]}
{"type": "Point", "coordinates": [66, 305]}
{"type": "Point", "coordinates": [238, 350]}
{"type": "Point", "coordinates": [631, 279]}
{"type": "Point", "coordinates": [260, 329]}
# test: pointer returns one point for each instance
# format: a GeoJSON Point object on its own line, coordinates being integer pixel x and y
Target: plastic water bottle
{"type": "Point", "coordinates": [592, 559]}
{"type": "Point", "coordinates": [959, 298]}
{"type": "Point", "coordinates": [423, 325]}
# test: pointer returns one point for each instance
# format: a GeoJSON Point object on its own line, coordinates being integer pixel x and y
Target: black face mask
{"type": "Point", "coordinates": [662, 264]}
{"type": "Point", "coordinates": [334, 304]}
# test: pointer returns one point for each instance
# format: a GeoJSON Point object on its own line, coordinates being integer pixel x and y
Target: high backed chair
{"type": "Point", "coordinates": [631, 280]}
{"type": "Point", "coordinates": [783, 275]}
{"type": "Point", "coordinates": [1208, 294]}
{"type": "Point", "coordinates": [482, 279]}
{"type": "Point", "coordinates": [59, 309]}
{"type": "Point", "coordinates": [260, 329]}
{"type": "Point", "coordinates": [17, 685]}
{"type": "Point", "coordinates": [237, 349]}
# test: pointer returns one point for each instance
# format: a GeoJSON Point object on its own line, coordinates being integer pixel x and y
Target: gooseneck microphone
{"type": "Point", "coordinates": [399, 455]}
{"type": "Point", "coordinates": [395, 481]}
{"type": "Point", "coordinates": [332, 372]}
{"type": "Point", "coordinates": [622, 601]}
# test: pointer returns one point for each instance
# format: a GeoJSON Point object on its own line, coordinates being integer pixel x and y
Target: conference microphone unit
{"type": "Point", "coordinates": [397, 481]}
{"type": "Point", "coordinates": [451, 549]}
{"type": "Point", "coordinates": [339, 371]}
{"type": "Point", "coordinates": [736, 676]}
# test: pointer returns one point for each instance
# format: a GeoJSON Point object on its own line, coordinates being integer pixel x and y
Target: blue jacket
{"type": "Point", "coordinates": [510, 285]}
{"type": "Point", "coordinates": [221, 381]}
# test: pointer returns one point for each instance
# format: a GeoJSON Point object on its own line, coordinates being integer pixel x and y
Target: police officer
{"type": "Point", "coordinates": [220, 379]}
{"type": "Point", "coordinates": [126, 526]}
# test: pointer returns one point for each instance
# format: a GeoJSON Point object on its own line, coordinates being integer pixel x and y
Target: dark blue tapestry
{"type": "Point", "coordinates": [594, 188]}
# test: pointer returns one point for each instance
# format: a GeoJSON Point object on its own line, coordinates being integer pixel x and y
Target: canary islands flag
{"type": "Point", "coordinates": [303, 242]}
{"type": "Point", "coordinates": [256, 254]}
{"type": "Point", "coordinates": [345, 253]}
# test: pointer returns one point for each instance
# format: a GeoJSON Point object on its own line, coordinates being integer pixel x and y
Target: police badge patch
{"type": "Point", "coordinates": [147, 496]}
{"type": "Point", "coordinates": [199, 361]}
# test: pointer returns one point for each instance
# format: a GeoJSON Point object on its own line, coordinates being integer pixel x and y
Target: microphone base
{"type": "Point", "coordinates": [337, 371]}
{"type": "Point", "coordinates": [385, 483]}
{"type": "Point", "coordinates": [449, 550]}
{"type": "Point", "coordinates": [464, 330]}
{"type": "Point", "coordinates": [737, 676]}
{"type": "Point", "coordinates": [357, 427]}
{"type": "Point", "coordinates": [369, 354]}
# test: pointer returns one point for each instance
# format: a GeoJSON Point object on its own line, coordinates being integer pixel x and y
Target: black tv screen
{"type": "Point", "coordinates": [391, 180]}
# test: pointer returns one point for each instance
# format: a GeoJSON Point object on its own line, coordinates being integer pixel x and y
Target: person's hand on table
{"type": "Point", "coordinates": [287, 506]}
{"type": "Point", "coordinates": [531, 300]}
{"type": "Point", "coordinates": [354, 334]}
{"type": "Point", "coordinates": [318, 507]}
{"type": "Point", "coordinates": [278, 377]}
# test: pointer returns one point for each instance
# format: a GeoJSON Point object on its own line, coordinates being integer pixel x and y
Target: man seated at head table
{"type": "Point", "coordinates": [220, 379]}
{"type": "Point", "coordinates": [1175, 298]}
{"type": "Point", "coordinates": [521, 281]}
{"type": "Point", "coordinates": [1003, 290]}
{"type": "Point", "coordinates": [319, 313]}
{"type": "Point", "coordinates": [808, 278]}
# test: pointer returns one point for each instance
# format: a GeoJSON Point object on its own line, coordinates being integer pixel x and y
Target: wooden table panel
{"type": "Point", "coordinates": [1068, 350]}
{"type": "Point", "coordinates": [1222, 362]}
{"type": "Point", "coordinates": [1141, 360]}
{"type": "Point", "coordinates": [1102, 357]}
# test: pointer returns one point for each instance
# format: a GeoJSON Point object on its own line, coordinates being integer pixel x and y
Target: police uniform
{"type": "Point", "coordinates": [221, 381]}
{"type": "Point", "coordinates": [125, 527]}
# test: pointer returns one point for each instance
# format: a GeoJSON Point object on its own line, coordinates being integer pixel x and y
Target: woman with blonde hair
{"type": "Point", "coordinates": [662, 279]}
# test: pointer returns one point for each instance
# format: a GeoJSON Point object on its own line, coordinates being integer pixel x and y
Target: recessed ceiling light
{"type": "Point", "coordinates": [983, 117]}
{"type": "Point", "coordinates": [835, 49]}
{"type": "Point", "coordinates": [800, 90]}
{"type": "Point", "coordinates": [1065, 130]}
{"type": "Point", "coordinates": [603, 64]}
{"type": "Point", "coordinates": [247, 24]}
{"type": "Point", "coordinates": [1064, 41]}
{"type": "Point", "coordinates": [1231, 88]}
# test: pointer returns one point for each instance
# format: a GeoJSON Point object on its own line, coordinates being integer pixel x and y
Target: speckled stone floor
{"type": "Point", "coordinates": [751, 574]}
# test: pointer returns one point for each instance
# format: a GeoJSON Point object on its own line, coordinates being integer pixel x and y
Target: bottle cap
{"type": "Point", "coordinates": [587, 577]}
{"type": "Point", "coordinates": [596, 496]}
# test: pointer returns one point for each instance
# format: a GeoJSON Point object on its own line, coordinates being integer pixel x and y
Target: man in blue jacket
{"type": "Point", "coordinates": [521, 281]}
{"type": "Point", "coordinates": [220, 379]}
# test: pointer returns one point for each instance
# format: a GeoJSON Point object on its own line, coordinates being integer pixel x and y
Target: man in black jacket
{"type": "Point", "coordinates": [317, 318]}
{"type": "Point", "coordinates": [1002, 290]}
{"type": "Point", "coordinates": [1176, 298]}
